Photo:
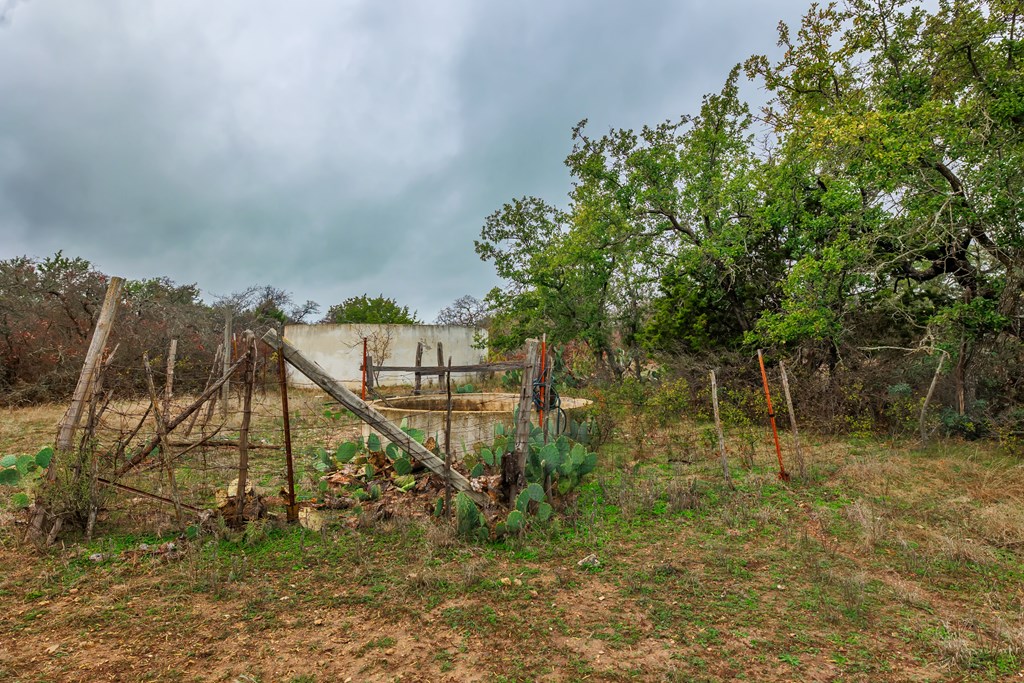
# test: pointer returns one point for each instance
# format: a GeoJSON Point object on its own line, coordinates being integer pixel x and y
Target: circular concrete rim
{"type": "Point", "coordinates": [568, 403]}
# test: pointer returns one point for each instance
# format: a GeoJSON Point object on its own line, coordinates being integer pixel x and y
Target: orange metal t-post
{"type": "Point", "coordinates": [783, 474]}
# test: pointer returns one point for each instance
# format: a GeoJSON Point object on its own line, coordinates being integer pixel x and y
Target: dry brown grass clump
{"type": "Point", "coordinates": [872, 474]}
{"type": "Point", "coordinates": [957, 649]}
{"type": "Point", "coordinates": [867, 521]}
{"type": "Point", "coordinates": [963, 550]}
{"type": "Point", "coordinates": [1001, 525]}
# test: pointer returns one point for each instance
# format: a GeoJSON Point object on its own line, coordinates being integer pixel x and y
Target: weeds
{"type": "Point", "coordinates": [870, 525]}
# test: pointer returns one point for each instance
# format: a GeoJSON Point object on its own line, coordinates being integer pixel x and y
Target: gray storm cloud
{"type": "Point", "coordinates": [328, 148]}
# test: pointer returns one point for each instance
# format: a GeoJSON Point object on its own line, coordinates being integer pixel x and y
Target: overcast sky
{"type": "Point", "coordinates": [328, 148]}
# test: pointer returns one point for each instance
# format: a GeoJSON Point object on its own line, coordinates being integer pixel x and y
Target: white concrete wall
{"type": "Point", "coordinates": [338, 349]}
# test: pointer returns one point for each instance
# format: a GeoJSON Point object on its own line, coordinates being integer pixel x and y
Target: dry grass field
{"type": "Point", "coordinates": [888, 563]}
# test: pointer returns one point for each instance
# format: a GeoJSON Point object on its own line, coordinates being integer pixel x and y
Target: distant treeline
{"type": "Point", "coordinates": [48, 308]}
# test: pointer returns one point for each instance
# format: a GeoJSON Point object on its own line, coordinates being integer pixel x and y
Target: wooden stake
{"type": "Point", "coordinates": [718, 428]}
{"type": "Point", "coordinates": [440, 364]}
{"type": "Point", "coordinates": [66, 432]}
{"type": "Point", "coordinates": [171, 424]}
{"type": "Point", "coordinates": [928, 398]}
{"type": "Point", "coordinates": [209, 380]}
{"type": "Point", "coordinates": [161, 430]}
{"type": "Point", "coordinates": [513, 471]}
{"type": "Point", "coordinates": [169, 382]}
{"type": "Point", "coordinates": [249, 341]}
{"type": "Point", "coordinates": [801, 466]}
{"type": "Point", "coordinates": [95, 413]}
{"type": "Point", "coordinates": [225, 392]}
{"type": "Point", "coordinates": [417, 388]}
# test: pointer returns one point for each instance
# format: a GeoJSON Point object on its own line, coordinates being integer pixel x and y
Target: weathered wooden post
{"type": "Point", "coordinates": [68, 425]}
{"type": "Point", "coordinates": [801, 466]}
{"type": "Point", "coordinates": [418, 387]}
{"type": "Point", "coordinates": [159, 415]}
{"type": "Point", "coordinates": [718, 428]}
{"type": "Point", "coordinates": [440, 365]}
{"type": "Point", "coordinates": [225, 392]}
{"type": "Point", "coordinates": [513, 471]}
{"type": "Point", "coordinates": [249, 342]}
{"type": "Point", "coordinates": [172, 353]}
{"type": "Point", "coordinates": [928, 398]}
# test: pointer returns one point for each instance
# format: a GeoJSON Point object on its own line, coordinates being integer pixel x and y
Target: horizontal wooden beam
{"type": "Point", "coordinates": [145, 494]}
{"type": "Point", "coordinates": [435, 369]}
{"type": "Point", "coordinates": [369, 414]}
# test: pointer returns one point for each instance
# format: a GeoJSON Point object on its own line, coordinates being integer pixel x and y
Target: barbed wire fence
{"type": "Point", "coordinates": [149, 460]}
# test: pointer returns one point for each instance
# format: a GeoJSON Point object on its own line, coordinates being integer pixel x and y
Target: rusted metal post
{"type": "Point", "coordinates": [448, 444]}
{"type": "Point", "coordinates": [543, 379]}
{"type": "Point", "coordinates": [293, 510]}
{"type": "Point", "coordinates": [783, 474]}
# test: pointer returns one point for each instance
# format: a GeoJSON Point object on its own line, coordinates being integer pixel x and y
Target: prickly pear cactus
{"type": "Point", "coordinates": [468, 518]}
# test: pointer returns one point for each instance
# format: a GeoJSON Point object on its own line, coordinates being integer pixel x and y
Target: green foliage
{"type": "Point", "coordinates": [346, 451]}
{"type": "Point", "coordinates": [364, 310]}
{"type": "Point", "coordinates": [322, 460]}
{"type": "Point", "coordinates": [512, 380]}
{"type": "Point", "coordinates": [515, 523]}
{"type": "Point", "coordinates": [967, 426]}
{"type": "Point", "coordinates": [544, 511]}
{"type": "Point", "coordinates": [469, 521]}
{"type": "Point", "coordinates": [561, 462]}
{"type": "Point", "coordinates": [22, 470]}
{"type": "Point", "coordinates": [405, 482]}
{"type": "Point", "coordinates": [44, 456]}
